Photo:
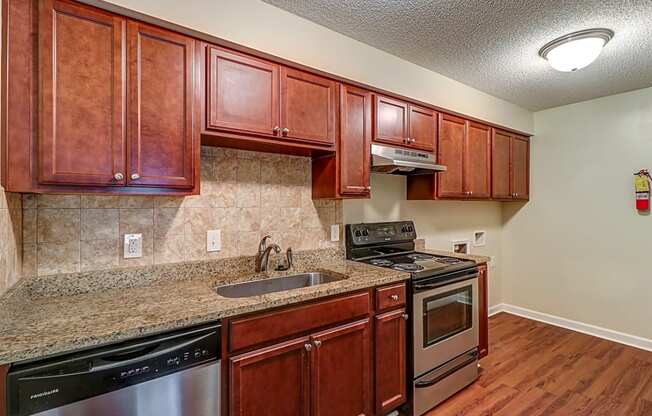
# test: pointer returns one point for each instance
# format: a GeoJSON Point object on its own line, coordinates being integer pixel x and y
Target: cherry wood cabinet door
{"type": "Point", "coordinates": [500, 165]}
{"type": "Point", "coordinates": [341, 371]}
{"type": "Point", "coordinates": [423, 128]}
{"type": "Point", "coordinates": [391, 121]}
{"type": "Point", "coordinates": [390, 346]}
{"type": "Point", "coordinates": [162, 143]}
{"type": "Point", "coordinates": [308, 107]}
{"type": "Point", "coordinates": [484, 312]}
{"type": "Point", "coordinates": [477, 162]}
{"type": "Point", "coordinates": [273, 381]}
{"type": "Point", "coordinates": [243, 93]}
{"type": "Point", "coordinates": [450, 152]}
{"type": "Point", "coordinates": [355, 139]}
{"type": "Point", "coordinates": [82, 140]}
{"type": "Point", "coordinates": [520, 168]}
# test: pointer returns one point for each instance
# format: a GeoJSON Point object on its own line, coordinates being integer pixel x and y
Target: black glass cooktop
{"type": "Point", "coordinates": [419, 264]}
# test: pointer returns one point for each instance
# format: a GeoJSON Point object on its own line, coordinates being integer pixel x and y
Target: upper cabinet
{"type": "Point", "coordinates": [477, 161]}
{"type": "Point", "coordinates": [452, 135]}
{"type": "Point", "coordinates": [116, 102]}
{"type": "Point", "coordinates": [510, 166]}
{"type": "Point", "coordinates": [403, 124]}
{"type": "Point", "coordinates": [82, 133]}
{"type": "Point", "coordinates": [243, 93]}
{"type": "Point", "coordinates": [260, 100]}
{"type": "Point", "coordinates": [161, 138]}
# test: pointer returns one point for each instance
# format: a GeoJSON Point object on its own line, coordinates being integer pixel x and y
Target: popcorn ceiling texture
{"type": "Point", "coordinates": [493, 45]}
{"type": "Point", "coordinates": [244, 194]}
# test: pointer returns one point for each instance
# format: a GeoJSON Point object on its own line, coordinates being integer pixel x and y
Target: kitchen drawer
{"type": "Point", "coordinates": [262, 328]}
{"type": "Point", "coordinates": [389, 297]}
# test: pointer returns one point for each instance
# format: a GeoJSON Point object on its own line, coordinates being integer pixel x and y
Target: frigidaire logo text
{"type": "Point", "coordinates": [43, 394]}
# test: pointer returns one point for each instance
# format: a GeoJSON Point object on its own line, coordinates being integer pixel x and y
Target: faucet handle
{"type": "Point", "coordinates": [287, 266]}
{"type": "Point", "coordinates": [263, 244]}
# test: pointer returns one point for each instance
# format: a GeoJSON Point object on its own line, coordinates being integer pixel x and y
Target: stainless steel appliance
{"type": "Point", "coordinates": [397, 161]}
{"type": "Point", "coordinates": [444, 306]}
{"type": "Point", "coordinates": [174, 374]}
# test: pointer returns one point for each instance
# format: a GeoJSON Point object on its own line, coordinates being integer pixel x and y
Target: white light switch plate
{"type": "Point", "coordinates": [335, 232]}
{"type": "Point", "coordinates": [213, 240]}
{"type": "Point", "coordinates": [133, 246]}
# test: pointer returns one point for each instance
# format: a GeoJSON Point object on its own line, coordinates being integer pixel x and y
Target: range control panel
{"type": "Point", "coordinates": [365, 234]}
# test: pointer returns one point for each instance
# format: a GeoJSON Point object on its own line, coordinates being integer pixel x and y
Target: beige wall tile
{"type": "Point", "coordinates": [100, 201]}
{"type": "Point", "coordinates": [249, 219]}
{"type": "Point", "coordinates": [29, 226]}
{"type": "Point", "coordinates": [29, 201]}
{"type": "Point", "coordinates": [248, 243]}
{"type": "Point", "coordinates": [170, 249]}
{"type": "Point", "coordinates": [29, 260]}
{"type": "Point", "coordinates": [137, 221]}
{"type": "Point", "coordinates": [4, 274]}
{"type": "Point", "coordinates": [53, 258]}
{"type": "Point", "coordinates": [148, 253]}
{"type": "Point", "coordinates": [100, 224]}
{"type": "Point", "coordinates": [58, 201]}
{"type": "Point", "coordinates": [100, 254]}
{"type": "Point", "coordinates": [58, 225]}
{"type": "Point", "coordinates": [137, 202]}
{"type": "Point", "coordinates": [169, 221]}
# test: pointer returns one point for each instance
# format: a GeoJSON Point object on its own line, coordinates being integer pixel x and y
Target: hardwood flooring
{"type": "Point", "coordinates": [536, 369]}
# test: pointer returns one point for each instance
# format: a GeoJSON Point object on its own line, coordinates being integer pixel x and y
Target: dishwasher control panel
{"type": "Point", "coordinates": [38, 386]}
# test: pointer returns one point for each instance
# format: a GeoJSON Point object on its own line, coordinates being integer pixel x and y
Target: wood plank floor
{"type": "Point", "coordinates": [536, 369]}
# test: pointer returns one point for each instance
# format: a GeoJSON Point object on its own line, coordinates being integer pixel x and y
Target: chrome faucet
{"type": "Point", "coordinates": [262, 258]}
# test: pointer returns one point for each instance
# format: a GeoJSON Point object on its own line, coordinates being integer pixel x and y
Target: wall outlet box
{"type": "Point", "coordinates": [133, 246]}
{"type": "Point", "coordinates": [335, 232]}
{"type": "Point", "coordinates": [461, 246]}
{"type": "Point", "coordinates": [213, 240]}
{"type": "Point", "coordinates": [479, 238]}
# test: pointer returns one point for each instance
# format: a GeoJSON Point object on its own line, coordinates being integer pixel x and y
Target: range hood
{"type": "Point", "coordinates": [392, 160]}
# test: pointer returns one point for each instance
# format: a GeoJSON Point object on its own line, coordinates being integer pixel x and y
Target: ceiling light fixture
{"type": "Point", "coordinates": [575, 50]}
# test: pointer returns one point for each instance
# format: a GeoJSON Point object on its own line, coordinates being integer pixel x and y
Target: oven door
{"type": "Point", "coordinates": [446, 314]}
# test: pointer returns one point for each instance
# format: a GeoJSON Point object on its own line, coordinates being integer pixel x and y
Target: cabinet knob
{"type": "Point", "coordinates": [394, 297]}
{"type": "Point", "coordinates": [276, 129]}
{"type": "Point", "coordinates": [285, 131]}
{"type": "Point", "coordinates": [368, 188]}
{"type": "Point", "coordinates": [308, 347]}
{"type": "Point", "coordinates": [405, 316]}
{"type": "Point", "coordinates": [118, 176]}
{"type": "Point", "coordinates": [135, 176]}
{"type": "Point", "coordinates": [317, 343]}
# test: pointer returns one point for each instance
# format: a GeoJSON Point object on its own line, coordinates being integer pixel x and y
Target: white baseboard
{"type": "Point", "coordinates": [596, 331]}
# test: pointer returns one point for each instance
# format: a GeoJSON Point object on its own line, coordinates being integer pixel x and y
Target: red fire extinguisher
{"type": "Point", "coordinates": [642, 187]}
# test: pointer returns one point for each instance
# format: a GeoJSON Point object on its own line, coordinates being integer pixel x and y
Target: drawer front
{"type": "Point", "coordinates": [389, 297]}
{"type": "Point", "coordinates": [266, 327]}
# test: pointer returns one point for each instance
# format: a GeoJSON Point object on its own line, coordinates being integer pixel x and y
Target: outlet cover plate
{"type": "Point", "coordinates": [335, 232]}
{"type": "Point", "coordinates": [133, 246]}
{"type": "Point", "coordinates": [213, 240]}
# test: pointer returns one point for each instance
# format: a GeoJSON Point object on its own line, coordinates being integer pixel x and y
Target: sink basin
{"type": "Point", "coordinates": [277, 284]}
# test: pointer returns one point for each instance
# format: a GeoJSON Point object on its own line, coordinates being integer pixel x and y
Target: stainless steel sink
{"type": "Point", "coordinates": [277, 284]}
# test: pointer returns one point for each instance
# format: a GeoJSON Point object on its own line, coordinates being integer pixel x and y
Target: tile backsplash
{"type": "Point", "coordinates": [244, 194]}
{"type": "Point", "coordinates": [10, 239]}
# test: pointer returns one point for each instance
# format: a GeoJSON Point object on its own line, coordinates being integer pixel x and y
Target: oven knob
{"type": "Point", "coordinates": [365, 232]}
{"type": "Point", "coordinates": [358, 233]}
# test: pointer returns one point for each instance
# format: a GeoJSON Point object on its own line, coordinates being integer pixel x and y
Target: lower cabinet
{"type": "Point", "coordinates": [391, 365]}
{"type": "Point", "coordinates": [484, 312]}
{"type": "Point", "coordinates": [326, 373]}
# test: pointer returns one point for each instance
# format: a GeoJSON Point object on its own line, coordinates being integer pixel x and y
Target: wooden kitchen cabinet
{"type": "Point", "coordinates": [477, 161]}
{"type": "Point", "coordinates": [423, 128]}
{"type": "Point", "coordinates": [113, 109]}
{"type": "Point", "coordinates": [484, 311]}
{"type": "Point", "coordinates": [510, 177]}
{"type": "Point", "coordinates": [341, 371]}
{"type": "Point", "coordinates": [82, 134]}
{"type": "Point", "coordinates": [162, 145]}
{"type": "Point", "coordinates": [391, 121]}
{"type": "Point", "coordinates": [243, 93]}
{"type": "Point", "coordinates": [272, 381]}
{"type": "Point", "coordinates": [452, 134]}
{"type": "Point", "coordinates": [391, 363]}
{"type": "Point", "coordinates": [346, 173]}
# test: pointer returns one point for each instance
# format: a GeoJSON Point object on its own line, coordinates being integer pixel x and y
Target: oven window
{"type": "Point", "coordinates": [447, 314]}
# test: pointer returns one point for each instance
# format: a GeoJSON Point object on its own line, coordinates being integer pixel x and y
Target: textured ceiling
{"type": "Point", "coordinates": [492, 45]}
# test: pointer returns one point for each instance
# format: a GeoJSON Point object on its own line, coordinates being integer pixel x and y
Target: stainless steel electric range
{"type": "Point", "coordinates": [444, 309]}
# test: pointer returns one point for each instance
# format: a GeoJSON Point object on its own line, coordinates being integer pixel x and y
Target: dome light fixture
{"type": "Point", "coordinates": [575, 50]}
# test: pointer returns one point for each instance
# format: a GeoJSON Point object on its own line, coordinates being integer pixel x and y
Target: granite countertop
{"type": "Point", "coordinates": [474, 257]}
{"type": "Point", "coordinates": [48, 316]}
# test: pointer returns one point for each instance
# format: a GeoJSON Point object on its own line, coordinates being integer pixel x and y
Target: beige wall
{"type": "Point", "coordinates": [244, 194]}
{"type": "Point", "coordinates": [579, 249]}
{"type": "Point", "coordinates": [258, 25]}
{"type": "Point", "coordinates": [10, 239]}
{"type": "Point", "coordinates": [439, 222]}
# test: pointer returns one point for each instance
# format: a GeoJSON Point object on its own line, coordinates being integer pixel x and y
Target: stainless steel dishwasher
{"type": "Point", "coordinates": [173, 374]}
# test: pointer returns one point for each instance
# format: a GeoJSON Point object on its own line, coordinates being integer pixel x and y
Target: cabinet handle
{"type": "Point", "coordinates": [368, 188]}
{"type": "Point", "coordinates": [285, 131]}
{"type": "Point", "coordinates": [276, 129]}
{"type": "Point", "coordinates": [308, 347]}
{"type": "Point", "coordinates": [394, 297]}
{"type": "Point", "coordinates": [135, 176]}
{"type": "Point", "coordinates": [405, 316]}
{"type": "Point", "coordinates": [118, 176]}
{"type": "Point", "coordinates": [317, 343]}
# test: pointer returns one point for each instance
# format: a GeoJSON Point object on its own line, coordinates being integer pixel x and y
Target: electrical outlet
{"type": "Point", "coordinates": [335, 232]}
{"type": "Point", "coordinates": [480, 238]}
{"type": "Point", "coordinates": [213, 240]}
{"type": "Point", "coordinates": [133, 246]}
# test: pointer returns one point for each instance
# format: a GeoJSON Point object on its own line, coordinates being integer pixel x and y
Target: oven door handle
{"type": "Point", "coordinates": [461, 363]}
{"type": "Point", "coordinates": [420, 287]}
